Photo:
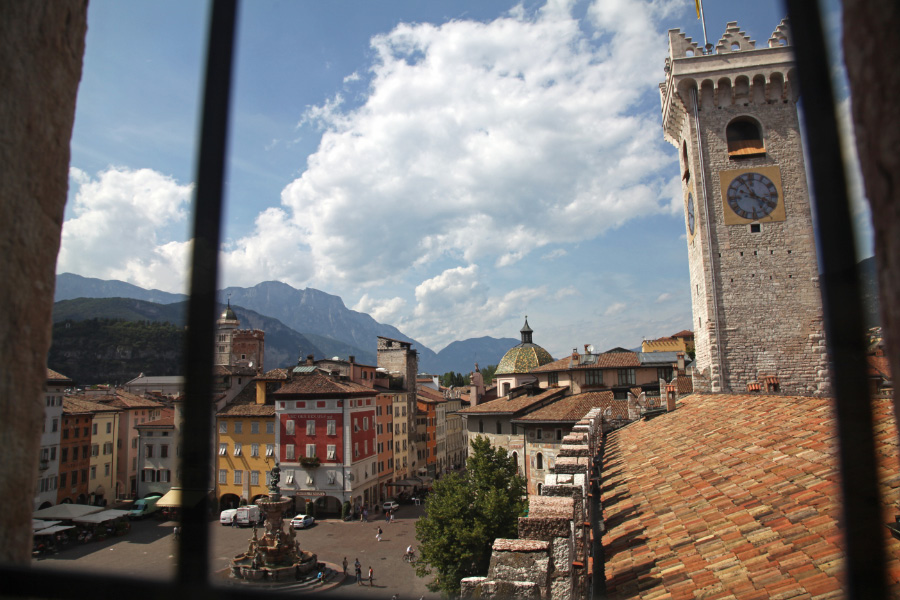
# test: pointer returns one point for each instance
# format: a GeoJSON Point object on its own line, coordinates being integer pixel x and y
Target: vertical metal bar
{"type": "Point", "coordinates": [196, 461]}
{"type": "Point", "coordinates": [863, 529]}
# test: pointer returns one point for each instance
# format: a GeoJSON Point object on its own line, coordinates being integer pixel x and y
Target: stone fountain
{"type": "Point", "coordinates": [276, 556]}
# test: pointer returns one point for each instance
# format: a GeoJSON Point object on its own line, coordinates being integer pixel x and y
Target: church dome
{"type": "Point", "coordinates": [228, 314]}
{"type": "Point", "coordinates": [524, 357]}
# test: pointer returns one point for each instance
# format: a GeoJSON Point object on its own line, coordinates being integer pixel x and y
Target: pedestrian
{"type": "Point", "coordinates": [392, 516]}
{"type": "Point", "coordinates": [366, 514]}
{"type": "Point", "coordinates": [234, 520]}
{"type": "Point", "coordinates": [358, 572]}
{"type": "Point", "coordinates": [378, 535]}
{"type": "Point", "coordinates": [345, 565]}
{"type": "Point", "coordinates": [387, 515]}
{"type": "Point", "coordinates": [371, 576]}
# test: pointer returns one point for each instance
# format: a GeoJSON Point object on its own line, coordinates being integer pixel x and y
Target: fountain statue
{"type": "Point", "coordinates": [275, 556]}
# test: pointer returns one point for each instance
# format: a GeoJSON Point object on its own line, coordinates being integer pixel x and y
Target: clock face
{"type": "Point", "coordinates": [690, 210]}
{"type": "Point", "coordinates": [752, 196]}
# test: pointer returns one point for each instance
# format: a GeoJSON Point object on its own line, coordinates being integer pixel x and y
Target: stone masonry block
{"type": "Point", "coordinates": [572, 465]}
{"type": "Point", "coordinates": [544, 528]}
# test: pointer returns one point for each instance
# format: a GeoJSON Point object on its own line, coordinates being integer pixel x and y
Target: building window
{"type": "Point", "coordinates": [626, 376]}
{"type": "Point", "coordinates": [237, 448]}
{"type": "Point", "coordinates": [238, 427]}
{"type": "Point", "coordinates": [744, 136]}
{"type": "Point", "coordinates": [148, 451]}
{"type": "Point", "coordinates": [109, 428]}
{"type": "Point", "coordinates": [254, 477]}
{"type": "Point", "coordinates": [356, 449]}
{"type": "Point", "coordinates": [95, 450]}
{"type": "Point", "coordinates": [332, 451]}
{"type": "Point", "coordinates": [365, 423]}
{"type": "Point", "coordinates": [238, 475]}
{"type": "Point", "coordinates": [55, 425]}
{"type": "Point", "coordinates": [593, 377]}
{"type": "Point", "coordinates": [223, 448]}
{"type": "Point", "coordinates": [270, 449]}
{"type": "Point", "coordinates": [331, 427]}
{"type": "Point", "coordinates": [94, 472]}
{"type": "Point", "coordinates": [163, 475]}
{"type": "Point", "coordinates": [106, 469]}
{"type": "Point", "coordinates": [93, 430]}
{"type": "Point", "coordinates": [254, 428]}
{"type": "Point", "coordinates": [559, 435]}
{"type": "Point", "coordinates": [223, 476]}
{"type": "Point", "coordinates": [539, 460]}
{"type": "Point", "coordinates": [254, 450]}
{"type": "Point", "coordinates": [289, 452]}
{"type": "Point", "coordinates": [223, 427]}
{"type": "Point", "coordinates": [499, 427]}
{"type": "Point", "coordinates": [355, 425]}
{"type": "Point", "coordinates": [289, 427]}
{"type": "Point", "coordinates": [310, 450]}
{"type": "Point", "coordinates": [553, 379]}
{"type": "Point", "coordinates": [270, 427]}
{"type": "Point", "coordinates": [164, 451]}
{"type": "Point", "coordinates": [310, 427]}
{"type": "Point", "coordinates": [539, 433]}
{"type": "Point", "coordinates": [664, 373]}
{"type": "Point", "coordinates": [62, 480]}
{"type": "Point", "coordinates": [480, 425]}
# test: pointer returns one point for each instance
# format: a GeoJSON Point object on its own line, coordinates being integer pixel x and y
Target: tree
{"type": "Point", "coordinates": [465, 514]}
{"type": "Point", "coordinates": [487, 374]}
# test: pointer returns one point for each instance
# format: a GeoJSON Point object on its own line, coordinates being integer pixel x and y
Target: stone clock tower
{"type": "Point", "coordinates": [757, 309]}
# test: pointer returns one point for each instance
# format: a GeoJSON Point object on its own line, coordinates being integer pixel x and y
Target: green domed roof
{"type": "Point", "coordinates": [523, 357]}
{"type": "Point", "coordinates": [228, 314]}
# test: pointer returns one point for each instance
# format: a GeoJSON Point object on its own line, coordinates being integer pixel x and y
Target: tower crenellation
{"type": "Point", "coordinates": [754, 274]}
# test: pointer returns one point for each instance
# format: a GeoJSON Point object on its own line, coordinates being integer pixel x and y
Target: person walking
{"type": "Point", "coordinates": [392, 516]}
{"type": "Point", "coordinates": [378, 535]}
{"type": "Point", "coordinates": [387, 515]}
{"type": "Point", "coordinates": [366, 514]}
{"type": "Point", "coordinates": [371, 576]}
{"type": "Point", "coordinates": [358, 575]}
{"type": "Point", "coordinates": [234, 520]}
{"type": "Point", "coordinates": [345, 565]}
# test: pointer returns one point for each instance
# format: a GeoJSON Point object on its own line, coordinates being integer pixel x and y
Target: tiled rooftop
{"type": "Point", "coordinates": [57, 377]}
{"type": "Point", "coordinates": [318, 384]}
{"type": "Point", "coordinates": [607, 360]}
{"type": "Point", "coordinates": [734, 496]}
{"type": "Point", "coordinates": [123, 399]}
{"type": "Point", "coordinates": [244, 405]}
{"type": "Point", "coordinates": [522, 359]}
{"type": "Point", "coordinates": [571, 408]}
{"type": "Point", "coordinates": [506, 405]}
{"type": "Point", "coordinates": [73, 405]}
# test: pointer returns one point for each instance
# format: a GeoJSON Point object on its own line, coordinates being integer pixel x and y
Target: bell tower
{"type": "Point", "coordinates": [757, 310]}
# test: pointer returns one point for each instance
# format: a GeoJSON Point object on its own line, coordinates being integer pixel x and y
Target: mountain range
{"type": "Point", "coordinates": [296, 322]}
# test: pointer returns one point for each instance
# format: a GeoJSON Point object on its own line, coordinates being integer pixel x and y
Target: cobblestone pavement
{"type": "Point", "coordinates": [149, 550]}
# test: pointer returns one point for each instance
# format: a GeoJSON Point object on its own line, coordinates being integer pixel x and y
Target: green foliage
{"type": "Point", "coordinates": [451, 379]}
{"type": "Point", "coordinates": [345, 511]}
{"type": "Point", "coordinates": [465, 513]}
{"type": "Point", "coordinates": [114, 351]}
{"type": "Point", "coordinates": [487, 373]}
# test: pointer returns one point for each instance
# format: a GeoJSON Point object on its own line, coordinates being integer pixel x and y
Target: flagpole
{"type": "Point", "coordinates": [706, 45]}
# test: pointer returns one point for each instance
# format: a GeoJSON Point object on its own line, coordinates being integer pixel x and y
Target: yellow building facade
{"type": "Point", "coordinates": [245, 449]}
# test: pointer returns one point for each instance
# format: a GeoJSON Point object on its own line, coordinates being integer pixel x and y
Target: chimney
{"type": "Point", "coordinates": [679, 356]}
{"type": "Point", "coordinates": [351, 359]}
{"type": "Point", "coordinates": [310, 360]}
{"type": "Point", "coordinates": [586, 346]}
{"type": "Point", "coordinates": [671, 394]}
{"type": "Point", "coordinates": [574, 360]}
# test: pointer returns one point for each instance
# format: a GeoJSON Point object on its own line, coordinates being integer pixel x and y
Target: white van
{"type": "Point", "coordinates": [248, 515]}
{"type": "Point", "coordinates": [143, 507]}
{"type": "Point", "coordinates": [227, 515]}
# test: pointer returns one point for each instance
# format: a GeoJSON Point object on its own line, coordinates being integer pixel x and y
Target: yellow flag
{"type": "Point", "coordinates": [697, 2]}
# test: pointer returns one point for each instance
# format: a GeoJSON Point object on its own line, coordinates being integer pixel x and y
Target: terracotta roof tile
{"type": "Point", "coordinates": [244, 405]}
{"type": "Point", "coordinates": [73, 405]}
{"type": "Point", "coordinates": [734, 496]}
{"type": "Point", "coordinates": [607, 360]}
{"type": "Point", "coordinates": [57, 377]}
{"type": "Point", "coordinates": [879, 366]}
{"type": "Point", "coordinates": [571, 408]}
{"type": "Point", "coordinates": [126, 400]}
{"type": "Point", "coordinates": [319, 385]}
{"type": "Point", "coordinates": [275, 374]}
{"type": "Point", "coordinates": [506, 405]}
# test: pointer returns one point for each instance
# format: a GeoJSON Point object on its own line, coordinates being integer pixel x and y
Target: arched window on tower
{"type": "Point", "coordinates": [744, 136]}
{"type": "Point", "coordinates": [687, 167]}
{"type": "Point", "coordinates": [539, 461]}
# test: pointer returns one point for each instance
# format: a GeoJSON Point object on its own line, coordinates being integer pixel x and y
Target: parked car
{"type": "Point", "coordinates": [302, 521]}
{"type": "Point", "coordinates": [390, 505]}
{"type": "Point", "coordinates": [227, 515]}
{"type": "Point", "coordinates": [249, 515]}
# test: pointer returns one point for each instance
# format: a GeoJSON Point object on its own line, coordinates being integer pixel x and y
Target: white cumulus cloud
{"type": "Point", "coordinates": [128, 224]}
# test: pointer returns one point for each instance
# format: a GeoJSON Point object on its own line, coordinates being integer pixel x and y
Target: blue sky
{"type": "Point", "coordinates": [447, 167]}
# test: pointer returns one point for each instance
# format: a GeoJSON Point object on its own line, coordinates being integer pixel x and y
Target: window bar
{"type": "Point", "coordinates": [196, 461]}
{"type": "Point", "coordinates": [862, 527]}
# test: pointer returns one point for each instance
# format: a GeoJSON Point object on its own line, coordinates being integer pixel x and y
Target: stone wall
{"type": "Point", "coordinates": [551, 559]}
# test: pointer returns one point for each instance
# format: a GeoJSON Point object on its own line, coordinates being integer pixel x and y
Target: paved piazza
{"type": "Point", "coordinates": [148, 551]}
